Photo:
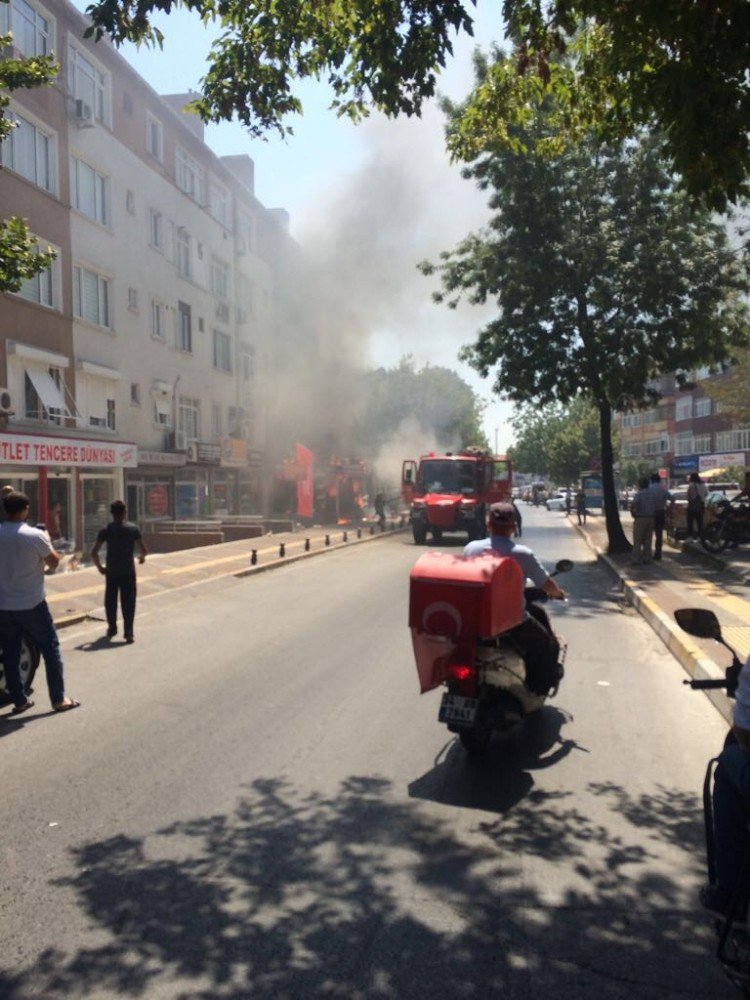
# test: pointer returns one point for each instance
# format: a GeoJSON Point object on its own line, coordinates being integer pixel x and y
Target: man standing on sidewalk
{"type": "Point", "coordinates": [642, 509]}
{"type": "Point", "coordinates": [120, 537]}
{"type": "Point", "coordinates": [24, 552]}
{"type": "Point", "coordinates": [661, 498]}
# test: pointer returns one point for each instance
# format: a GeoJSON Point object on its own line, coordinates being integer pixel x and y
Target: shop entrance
{"type": "Point", "coordinates": [97, 493]}
{"type": "Point", "coordinates": [59, 514]}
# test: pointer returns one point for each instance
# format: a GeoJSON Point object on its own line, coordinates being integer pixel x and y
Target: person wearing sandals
{"type": "Point", "coordinates": [24, 552]}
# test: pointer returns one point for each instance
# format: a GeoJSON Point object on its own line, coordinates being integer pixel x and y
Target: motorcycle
{"type": "Point", "coordinates": [29, 663]}
{"type": "Point", "coordinates": [730, 527]}
{"type": "Point", "coordinates": [460, 613]}
{"type": "Point", "coordinates": [733, 948]}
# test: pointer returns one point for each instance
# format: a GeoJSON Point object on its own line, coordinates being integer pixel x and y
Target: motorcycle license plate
{"type": "Point", "coordinates": [458, 710]}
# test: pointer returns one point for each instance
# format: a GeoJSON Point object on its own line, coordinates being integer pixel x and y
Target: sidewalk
{"type": "Point", "coordinates": [685, 577]}
{"type": "Point", "coordinates": [76, 596]}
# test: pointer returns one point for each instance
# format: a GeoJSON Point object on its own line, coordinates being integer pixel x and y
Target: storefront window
{"type": "Point", "coordinates": [98, 494]}
{"type": "Point", "coordinates": [191, 500]}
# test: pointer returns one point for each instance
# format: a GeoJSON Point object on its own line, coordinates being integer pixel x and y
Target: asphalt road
{"type": "Point", "coordinates": [255, 801]}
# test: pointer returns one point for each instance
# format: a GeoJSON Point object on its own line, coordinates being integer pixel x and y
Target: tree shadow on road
{"type": "Point", "coordinates": [357, 894]}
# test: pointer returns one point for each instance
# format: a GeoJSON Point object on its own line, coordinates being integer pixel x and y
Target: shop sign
{"type": "Point", "coordinates": [207, 453]}
{"type": "Point", "coordinates": [234, 452]}
{"type": "Point", "coordinates": [163, 458]}
{"type": "Point", "coordinates": [29, 449]}
{"type": "Point", "coordinates": [685, 463]}
{"type": "Point", "coordinates": [707, 462]}
{"type": "Point", "coordinates": [157, 500]}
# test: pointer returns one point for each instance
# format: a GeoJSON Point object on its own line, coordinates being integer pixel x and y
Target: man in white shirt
{"type": "Point", "coordinates": [731, 798]}
{"type": "Point", "coordinates": [24, 552]}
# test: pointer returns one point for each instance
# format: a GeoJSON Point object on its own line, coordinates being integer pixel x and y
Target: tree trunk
{"type": "Point", "coordinates": [617, 542]}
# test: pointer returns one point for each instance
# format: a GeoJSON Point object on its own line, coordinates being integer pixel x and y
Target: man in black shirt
{"type": "Point", "coordinates": [120, 537]}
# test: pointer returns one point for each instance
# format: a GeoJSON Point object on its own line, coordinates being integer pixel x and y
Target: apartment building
{"type": "Point", "coordinates": [686, 432]}
{"type": "Point", "coordinates": [136, 366]}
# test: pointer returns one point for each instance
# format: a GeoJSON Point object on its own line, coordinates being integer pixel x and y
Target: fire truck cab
{"type": "Point", "coordinates": [452, 492]}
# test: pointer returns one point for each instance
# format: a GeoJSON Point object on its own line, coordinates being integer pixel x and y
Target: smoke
{"type": "Point", "coordinates": [410, 440]}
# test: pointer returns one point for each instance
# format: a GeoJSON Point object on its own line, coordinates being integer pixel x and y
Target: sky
{"type": "Point", "coordinates": [386, 184]}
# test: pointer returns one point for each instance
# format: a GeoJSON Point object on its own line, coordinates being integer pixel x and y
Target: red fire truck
{"type": "Point", "coordinates": [451, 492]}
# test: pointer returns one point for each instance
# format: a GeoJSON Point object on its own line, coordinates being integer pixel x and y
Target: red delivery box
{"type": "Point", "coordinates": [453, 601]}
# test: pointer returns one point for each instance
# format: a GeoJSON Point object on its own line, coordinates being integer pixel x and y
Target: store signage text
{"type": "Point", "coordinates": [18, 449]}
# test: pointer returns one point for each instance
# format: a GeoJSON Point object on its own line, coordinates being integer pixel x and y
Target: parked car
{"type": "Point", "coordinates": [677, 508]}
{"type": "Point", "coordinates": [558, 501]}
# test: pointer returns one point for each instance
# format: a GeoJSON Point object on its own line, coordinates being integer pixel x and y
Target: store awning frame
{"type": "Point", "coordinates": [48, 392]}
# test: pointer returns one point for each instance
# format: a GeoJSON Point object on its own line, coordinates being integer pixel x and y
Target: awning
{"type": "Point", "coordinates": [47, 390]}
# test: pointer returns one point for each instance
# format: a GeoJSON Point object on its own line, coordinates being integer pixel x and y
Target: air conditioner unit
{"type": "Point", "coordinates": [192, 452]}
{"type": "Point", "coordinates": [83, 113]}
{"type": "Point", "coordinates": [6, 403]}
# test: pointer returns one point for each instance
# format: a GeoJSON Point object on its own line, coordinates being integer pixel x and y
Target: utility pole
{"type": "Point", "coordinates": [496, 440]}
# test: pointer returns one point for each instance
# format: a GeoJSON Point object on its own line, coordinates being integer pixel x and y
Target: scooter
{"type": "Point", "coordinates": [29, 663]}
{"type": "Point", "coordinates": [733, 948]}
{"type": "Point", "coordinates": [460, 613]}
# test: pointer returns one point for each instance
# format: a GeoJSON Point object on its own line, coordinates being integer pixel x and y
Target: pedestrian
{"type": "Point", "coordinates": [581, 505]}
{"type": "Point", "coordinates": [642, 508]}
{"type": "Point", "coordinates": [379, 505]}
{"type": "Point", "coordinates": [568, 501]}
{"type": "Point", "coordinates": [24, 552]}
{"type": "Point", "coordinates": [696, 504]}
{"type": "Point", "coordinates": [4, 492]}
{"type": "Point", "coordinates": [121, 537]}
{"type": "Point", "coordinates": [661, 499]}
{"type": "Point", "coordinates": [518, 519]}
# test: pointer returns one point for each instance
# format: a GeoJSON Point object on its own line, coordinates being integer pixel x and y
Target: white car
{"type": "Point", "coordinates": [558, 501]}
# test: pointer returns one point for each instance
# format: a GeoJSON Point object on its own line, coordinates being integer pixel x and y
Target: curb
{"type": "Point", "coordinates": [679, 644]}
{"type": "Point", "coordinates": [716, 562]}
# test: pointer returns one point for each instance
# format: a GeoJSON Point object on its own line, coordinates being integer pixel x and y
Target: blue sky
{"type": "Point", "coordinates": [342, 182]}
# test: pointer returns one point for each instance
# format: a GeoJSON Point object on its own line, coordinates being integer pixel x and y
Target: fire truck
{"type": "Point", "coordinates": [452, 492]}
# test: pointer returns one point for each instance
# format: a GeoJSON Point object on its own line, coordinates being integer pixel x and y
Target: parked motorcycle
{"type": "Point", "coordinates": [733, 949]}
{"type": "Point", "coordinates": [460, 612]}
{"type": "Point", "coordinates": [29, 663]}
{"type": "Point", "coordinates": [731, 526]}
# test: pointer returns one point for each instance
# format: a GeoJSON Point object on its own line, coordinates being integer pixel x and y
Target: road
{"type": "Point", "coordinates": [255, 801]}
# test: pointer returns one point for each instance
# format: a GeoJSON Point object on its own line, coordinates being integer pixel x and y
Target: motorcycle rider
{"type": "Point", "coordinates": [731, 800]}
{"type": "Point", "coordinates": [534, 636]}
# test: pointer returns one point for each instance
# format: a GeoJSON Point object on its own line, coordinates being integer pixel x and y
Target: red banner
{"type": "Point", "coordinates": [304, 460]}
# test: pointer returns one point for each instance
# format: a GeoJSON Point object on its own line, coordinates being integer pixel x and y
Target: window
{"type": "Point", "coordinates": [184, 327]}
{"type": "Point", "coordinates": [158, 319]}
{"type": "Point", "coordinates": [657, 446]}
{"type": "Point", "coordinates": [702, 444]}
{"type": "Point", "coordinates": [703, 407]}
{"type": "Point", "coordinates": [190, 418]}
{"type": "Point", "coordinates": [245, 302]}
{"type": "Point", "coordinates": [88, 84]}
{"type": "Point", "coordinates": [245, 233]}
{"type": "Point", "coordinates": [133, 299]}
{"type": "Point", "coordinates": [222, 351]}
{"type": "Point", "coordinates": [219, 278]}
{"type": "Point", "coordinates": [97, 398]}
{"type": "Point", "coordinates": [32, 33]}
{"type": "Point", "coordinates": [32, 153]}
{"type": "Point", "coordinates": [89, 191]}
{"type": "Point", "coordinates": [91, 296]}
{"type": "Point", "coordinates": [156, 229]}
{"type": "Point", "coordinates": [182, 252]}
{"type": "Point", "coordinates": [135, 393]}
{"type": "Point", "coordinates": [44, 395]}
{"type": "Point", "coordinates": [188, 175]}
{"type": "Point", "coordinates": [216, 426]}
{"type": "Point", "coordinates": [684, 408]}
{"type": "Point", "coordinates": [683, 443]}
{"type": "Point", "coordinates": [218, 203]}
{"type": "Point", "coordinates": [130, 203]}
{"type": "Point", "coordinates": [631, 419]}
{"type": "Point", "coordinates": [42, 288]}
{"type": "Point", "coordinates": [154, 138]}
{"type": "Point", "coordinates": [736, 440]}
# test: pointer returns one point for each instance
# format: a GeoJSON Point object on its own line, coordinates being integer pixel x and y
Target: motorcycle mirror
{"type": "Point", "coordinates": [564, 566]}
{"type": "Point", "coordinates": [699, 622]}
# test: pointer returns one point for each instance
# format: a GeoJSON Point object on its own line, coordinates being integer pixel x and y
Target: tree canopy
{"type": "Point", "coordinates": [20, 256]}
{"type": "Point", "coordinates": [558, 442]}
{"type": "Point", "coordinates": [680, 66]}
{"type": "Point", "coordinates": [604, 275]}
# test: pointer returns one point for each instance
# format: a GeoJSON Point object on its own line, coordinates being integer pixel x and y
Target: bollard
{"type": "Point", "coordinates": [282, 551]}
{"type": "Point", "coordinates": [359, 532]}
{"type": "Point", "coordinates": [328, 539]}
{"type": "Point", "coordinates": [372, 529]}
{"type": "Point", "coordinates": [346, 537]}
{"type": "Point", "coordinates": [254, 558]}
{"type": "Point", "coordinates": [307, 545]}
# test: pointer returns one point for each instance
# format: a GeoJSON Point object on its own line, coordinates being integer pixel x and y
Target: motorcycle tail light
{"type": "Point", "coordinates": [462, 678]}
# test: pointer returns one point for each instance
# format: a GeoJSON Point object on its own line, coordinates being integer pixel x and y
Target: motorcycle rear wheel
{"type": "Point", "coordinates": [29, 663]}
{"type": "Point", "coordinates": [476, 741]}
{"type": "Point", "coordinates": [715, 537]}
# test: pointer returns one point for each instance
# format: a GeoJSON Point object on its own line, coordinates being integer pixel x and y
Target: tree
{"type": "Point", "coordinates": [434, 400]}
{"type": "Point", "coordinates": [20, 257]}
{"type": "Point", "coordinates": [559, 442]}
{"type": "Point", "coordinates": [604, 278]}
{"type": "Point", "coordinates": [677, 66]}
{"type": "Point", "coordinates": [730, 389]}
